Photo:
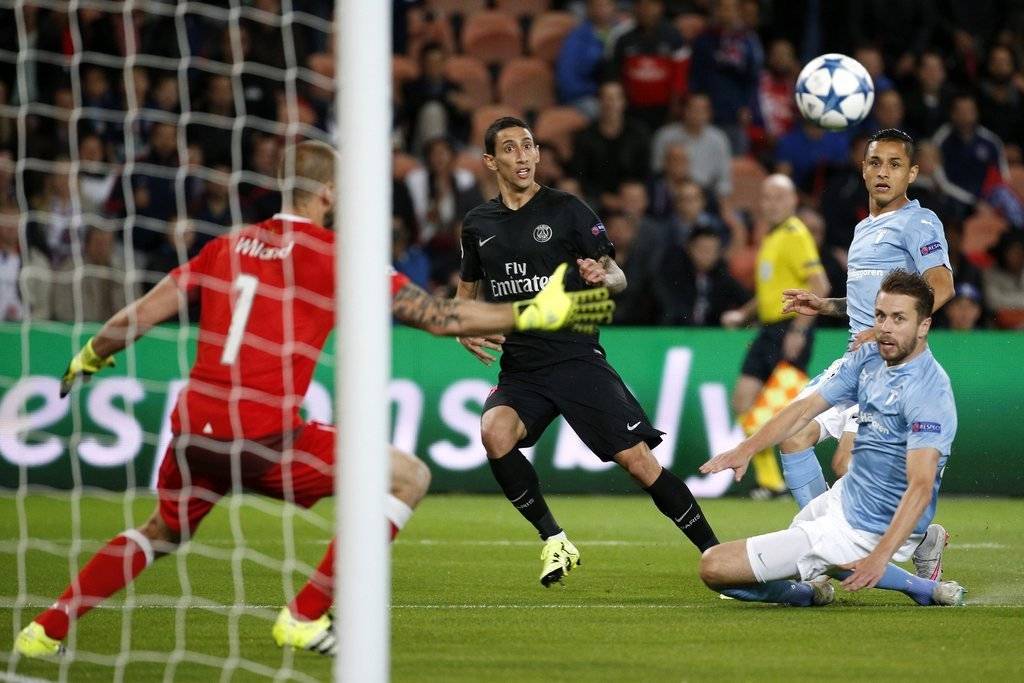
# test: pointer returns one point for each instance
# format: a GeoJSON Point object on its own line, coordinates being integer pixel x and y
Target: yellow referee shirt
{"type": "Point", "coordinates": [786, 260]}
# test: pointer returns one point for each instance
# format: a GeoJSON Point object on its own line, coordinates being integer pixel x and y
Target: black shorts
{"type": "Point", "coordinates": [591, 397]}
{"type": "Point", "coordinates": [766, 351]}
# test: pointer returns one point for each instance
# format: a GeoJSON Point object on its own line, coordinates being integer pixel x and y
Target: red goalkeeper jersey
{"type": "Point", "coordinates": [266, 297]}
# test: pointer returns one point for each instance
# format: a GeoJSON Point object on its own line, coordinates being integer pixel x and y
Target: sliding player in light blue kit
{"type": "Point", "coordinates": [899, 233]}
{"type": "Point", "coordinates": [881, 509]}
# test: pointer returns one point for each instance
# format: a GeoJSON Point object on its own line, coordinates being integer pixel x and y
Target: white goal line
{"type": "Point", "coordinates": [54, 545]}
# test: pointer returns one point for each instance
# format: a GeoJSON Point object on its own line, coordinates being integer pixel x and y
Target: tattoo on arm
{"type": "Point", "coordinates": [838, 308]}
{"type": "Point", "coordinates": [615, 279]}
{"type": "Point", "coordinates": [415, 307]}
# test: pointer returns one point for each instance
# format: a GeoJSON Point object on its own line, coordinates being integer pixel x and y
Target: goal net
{"type": "Point", "coordinates": [131, 134]}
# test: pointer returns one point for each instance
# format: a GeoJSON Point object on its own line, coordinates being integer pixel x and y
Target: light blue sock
{"type": "Point", "coordinates": [782, 591]}
{"type": "Point", "coordinates": [803, 476]}
{"type": "Point", "coordinates": [897, 578]}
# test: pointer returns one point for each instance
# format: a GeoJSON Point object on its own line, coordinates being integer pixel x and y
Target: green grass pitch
{"type": "Point", "coordinates": [467, 605]}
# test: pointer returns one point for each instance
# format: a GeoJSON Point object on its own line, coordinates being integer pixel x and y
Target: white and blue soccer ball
{"type": "Point", "coordinates": [834, 91]}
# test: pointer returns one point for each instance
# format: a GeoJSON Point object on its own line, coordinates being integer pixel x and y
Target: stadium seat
{"type": "Point", "coordinates": [981, 230]}
{"type": "Point", "coordinates": [747, 175]}
{"type": "Point", "coordinates": [402, 163]}
{"type": "Point", "coordinates": [547, 33]}
{"type": "Point", "coordinates": [741, 265]}
{"type": "Point", "coordinates": [527, 83]}
{"type": "Point", "coordinates": [493, 37]}
{"type": "Point", "coordinates": [425, 28]}
{"type": "Point", "coordinates": [485, 116]}
{"type": "Point", "coordinates": [556, 126]}
{"type": "Point", "coordinates": [523, 8]}
{"type": "Point", "coordinates": [1010, 319]}
{"type": "Point", "coordinates": [463, 7]}
{"type": "Point", "coordinates": [472, 76]}
{"type": "Point", "coordinates": [691, 26]}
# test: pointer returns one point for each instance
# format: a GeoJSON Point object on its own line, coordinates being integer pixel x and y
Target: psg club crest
{"type": "Point", "coordinates": [542, 233]}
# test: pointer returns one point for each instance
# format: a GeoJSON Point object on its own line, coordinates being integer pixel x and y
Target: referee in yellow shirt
{"type": "Point", "coordinates": [787, 259]}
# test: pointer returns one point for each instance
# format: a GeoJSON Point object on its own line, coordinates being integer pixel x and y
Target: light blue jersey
{"type": "Point", "coordinates": [901, 408]}
{"type": "Point", "coordinates": [910, 238]}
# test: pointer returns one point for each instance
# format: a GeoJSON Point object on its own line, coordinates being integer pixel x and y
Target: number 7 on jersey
{"type": "Point", "coordinates": [245, 286]}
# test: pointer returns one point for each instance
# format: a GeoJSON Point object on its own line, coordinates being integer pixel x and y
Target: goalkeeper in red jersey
{"type": "Point", "coordinates": [266, 295]}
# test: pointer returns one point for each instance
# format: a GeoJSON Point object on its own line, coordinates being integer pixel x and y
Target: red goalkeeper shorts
{"type": "Point", "coordinates": [198, 471]}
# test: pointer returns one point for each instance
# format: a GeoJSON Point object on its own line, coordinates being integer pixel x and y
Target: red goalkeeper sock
{"type": "Point", "coordinates": [109, 570]}
{"type": "Point", "coordinates": [316, 597]}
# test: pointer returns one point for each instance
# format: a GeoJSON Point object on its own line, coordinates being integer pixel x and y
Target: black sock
{"type": "Point", "coordinates": [673, 498]}
{"type": "Point", "coordinates": [518, 480]}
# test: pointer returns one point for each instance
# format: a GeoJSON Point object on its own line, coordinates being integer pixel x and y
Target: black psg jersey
{"type": "Point", "coordinates": [512, 253]}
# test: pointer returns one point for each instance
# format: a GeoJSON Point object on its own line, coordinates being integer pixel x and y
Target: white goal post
{"type": "Point", "coordinates": [362, 587]}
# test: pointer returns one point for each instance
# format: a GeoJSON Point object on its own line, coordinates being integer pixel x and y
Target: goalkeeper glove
{"type": "Point", "coordinates": [554, 308]}
{"type": "Point", "coordinates": [85, 363]}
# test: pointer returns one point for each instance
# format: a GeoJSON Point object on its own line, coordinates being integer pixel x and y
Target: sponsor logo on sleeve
{"type": "Point", "coordinates": [597, 229]}
{"type": "Point", "coordinates": [933, 427]}
{"type": "Point", "coordinates": [929, 248]}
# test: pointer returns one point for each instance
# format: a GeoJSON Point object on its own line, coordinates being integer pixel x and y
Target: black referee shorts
{"type": "Point", "coordinates": [765, 351]}
{"type": "Point", "coordinates": [588, 393]}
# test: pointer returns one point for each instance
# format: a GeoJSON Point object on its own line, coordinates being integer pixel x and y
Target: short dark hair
{"type": "Point", "coordinates": [913, 285]}
{"type": "Point", "coordinates": [894, 135]}
{"type": "Point", "coordinates": [498, 126]}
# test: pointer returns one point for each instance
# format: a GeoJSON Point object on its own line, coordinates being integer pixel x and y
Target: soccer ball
{"type": "Point", "coordinates": [834, 91]}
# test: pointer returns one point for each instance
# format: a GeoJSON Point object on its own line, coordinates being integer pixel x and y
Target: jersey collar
{"type": "Point", "coordinates": [290, 218]}
{"type": "Point", "coordinates": [912, 204]}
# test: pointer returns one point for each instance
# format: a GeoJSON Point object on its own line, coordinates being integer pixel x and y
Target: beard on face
{"type": "Point", "coordinates": [898, 352]}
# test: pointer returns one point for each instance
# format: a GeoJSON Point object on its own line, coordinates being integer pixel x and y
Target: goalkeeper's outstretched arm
{"type": "Point", "coordinates": [127, 325]}
{"type": "Point", "coordinates": [138, 317]}
{"type": "Point", "coordinates": [553, 308]}
{"type": "Point", "coordinates": [450, 317]}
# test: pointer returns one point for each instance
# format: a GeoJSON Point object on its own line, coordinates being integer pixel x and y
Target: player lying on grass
{"type": "Point", "coordinates": [881, 509]}
{"type": "Point", "coordinates": [898, 233]}
{"type": "Point", "coordinates": [267, 305]}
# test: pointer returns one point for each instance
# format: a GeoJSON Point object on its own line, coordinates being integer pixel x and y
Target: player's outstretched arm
{"type": "Point", "coordinates": [786, 423]}
{"type": "Point", "coordinates": [450, 317]}
{"type": "Point", "coordinates": [127, 325]}
{"type": "Point", "coordinates": [808, 303]}
{"type": "Point", "coordinates": [922, 466]}
{"type": "Point", "coordinates": [553, 308]}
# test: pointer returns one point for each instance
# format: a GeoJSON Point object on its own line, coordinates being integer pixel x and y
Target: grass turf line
{"type": "Point", "coordinates": [468, 605]}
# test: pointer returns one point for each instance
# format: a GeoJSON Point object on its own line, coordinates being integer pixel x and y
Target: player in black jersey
{"type": "Point", "coordinates": [510, 246]}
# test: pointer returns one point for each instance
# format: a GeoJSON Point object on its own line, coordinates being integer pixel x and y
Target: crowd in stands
{"type": "Point", "coordinates": [119, 159]}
